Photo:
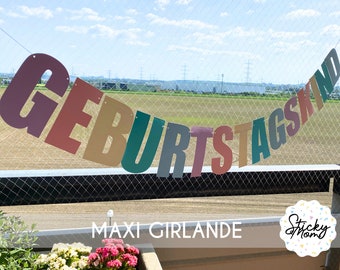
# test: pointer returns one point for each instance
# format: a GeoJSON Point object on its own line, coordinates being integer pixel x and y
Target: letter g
{"type": "Point", "coordinates": [13, 100]}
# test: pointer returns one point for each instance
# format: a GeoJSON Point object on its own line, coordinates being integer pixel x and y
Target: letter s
{"type": "Point", "coordinates": [18, 92]}
{"type": "Point", "coordinates": [222, 134]}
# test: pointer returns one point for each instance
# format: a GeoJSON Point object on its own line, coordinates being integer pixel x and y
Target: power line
{"type": "Point", "coordinates": [17, 42]}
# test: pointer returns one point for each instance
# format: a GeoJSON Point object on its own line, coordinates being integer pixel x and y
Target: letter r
{"type": "Point", "coordinates": [171, 147]}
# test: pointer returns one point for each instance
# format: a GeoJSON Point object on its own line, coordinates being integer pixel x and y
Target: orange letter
{"type": "Point", "coordinates": [243, 143]}
{"type": "Point", "coordinates": [305, 103]}
{"type": "Point", "coordinates": [107, 142]}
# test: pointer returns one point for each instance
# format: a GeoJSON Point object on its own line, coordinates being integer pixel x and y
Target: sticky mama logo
{"type": "Point", "coordinates": [308, 228]}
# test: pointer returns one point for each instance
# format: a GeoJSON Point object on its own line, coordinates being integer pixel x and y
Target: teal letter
{"type": "Point", "coordinates": [333, 66]}
{"type": "Point", "coordinates": [259, 140]}
{"type": "Point", "coordinates": [324, 82]}
{"type": "Point", "coordinates": [135, 140]}
{"type": "Point", "coordinates": [170, 148]}
{"type": "Point", "coordinates": [277, 134]}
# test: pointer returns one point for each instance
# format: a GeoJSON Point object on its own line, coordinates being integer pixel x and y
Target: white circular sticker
{"type": "Point", "coordinates": [308, 228]}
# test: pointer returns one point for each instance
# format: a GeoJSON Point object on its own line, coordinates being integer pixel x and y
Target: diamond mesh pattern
{"type": "Point", "coordinates": [103, 187]}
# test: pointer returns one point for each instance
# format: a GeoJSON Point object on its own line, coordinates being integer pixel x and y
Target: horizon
{"type": "Point", "coordinates": [248, 41]}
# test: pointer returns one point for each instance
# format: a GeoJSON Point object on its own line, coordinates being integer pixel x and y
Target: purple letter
{"type": "Point", "coordinates": [18, 92]}
{"type": "Point", "coordinates": [202, 134]}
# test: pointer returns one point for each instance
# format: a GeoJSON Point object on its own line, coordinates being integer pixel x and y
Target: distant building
{"type": "Point", "coordinates": [123, 86]}
{"type": "Point", "coordinates": [108, 86]}
{"type": "Point", "coordinates": [6, 81]}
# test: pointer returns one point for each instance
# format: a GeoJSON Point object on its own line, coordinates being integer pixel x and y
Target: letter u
{"type": "Point", "coordinates": [134, 143]}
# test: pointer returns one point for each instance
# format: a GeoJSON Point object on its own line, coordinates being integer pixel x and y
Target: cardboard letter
{"type": "Point", "coordinates": [316, 92]}
{"type": "Point", "coordinates": [324, 82]}
{"type": "Point", "coordinates": [277, 134]}
{"type": "Point", "coordinates": [306, 107]}
{"type": "Point", "coordinates": [221, 134]}
{"type": "Point", "coordinates": [333, 66]}
{"type": "Point", "coordinates": [202, 134]}
{"type": "Point", "coordinates": [243, 142]}
{"type": "Point", "coordinates": [259, 141]}
{"type": "Point", "coordinates": [107, 141]}
{"type": "Point", "coordinates": [135, 141]}
{"type": "Point", "coordinates": [292, 128]}
{"type": "Point", "coordinates": [17, 93]}
{"type": "Point", "coordinates": [172, 147]}
{"type": "Point", "coordinates": [72, 114]}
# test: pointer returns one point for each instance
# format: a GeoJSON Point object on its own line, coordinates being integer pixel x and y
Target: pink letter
{"type": "Point", "coordinates": [294, 127]}
{"type": "Point", "coordinates": [222, 148]}
{"type": "Point", "coordinates": [202, 134]}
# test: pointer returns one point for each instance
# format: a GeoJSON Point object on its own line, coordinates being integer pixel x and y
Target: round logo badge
{"type": "Point", "coordinates": [308, 228]}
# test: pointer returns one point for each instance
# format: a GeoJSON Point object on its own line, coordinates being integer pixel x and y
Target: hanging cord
{"type": "Point", "coordinates": [17, 42]}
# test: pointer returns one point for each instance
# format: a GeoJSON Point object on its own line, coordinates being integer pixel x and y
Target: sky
{"type": "Point", "coordinates": [238, 41]}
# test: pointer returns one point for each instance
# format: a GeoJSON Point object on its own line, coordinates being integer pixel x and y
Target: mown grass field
{"type": "Point", "coordinates": [318, 141]}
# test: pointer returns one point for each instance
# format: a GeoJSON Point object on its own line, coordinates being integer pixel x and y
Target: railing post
{"type": "Point", "coordinates": [333, 255]}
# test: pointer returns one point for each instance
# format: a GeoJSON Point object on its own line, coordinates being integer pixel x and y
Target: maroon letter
{"type": "Point", "coordinates": [18, 92]}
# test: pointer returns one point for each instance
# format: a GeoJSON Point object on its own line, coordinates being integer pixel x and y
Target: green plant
{"type": "Point", "coordinates": [16, 243]}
